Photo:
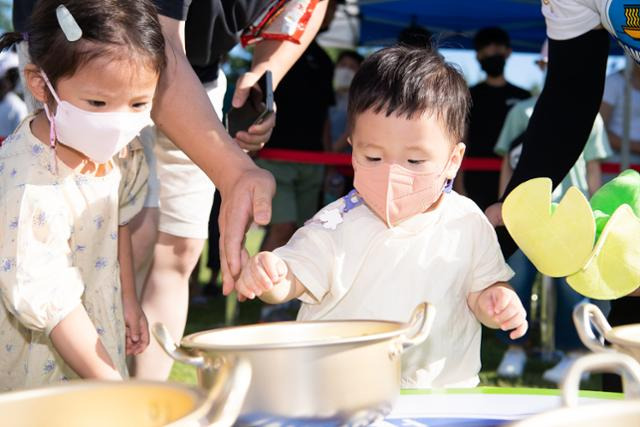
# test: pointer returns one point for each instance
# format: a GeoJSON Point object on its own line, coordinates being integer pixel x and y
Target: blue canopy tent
{"type": "Point", "coordinates": [453, 22]}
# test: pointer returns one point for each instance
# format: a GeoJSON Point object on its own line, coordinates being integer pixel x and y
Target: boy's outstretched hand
{"type": "Point", "coordinates": [260, 274]}
{"type": "Point", "coordinates": [499, 307]}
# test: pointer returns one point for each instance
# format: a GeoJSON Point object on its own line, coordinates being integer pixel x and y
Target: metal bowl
{"type": "Point", "coordinates": [130, 403]}
{"type": "Point", "coordinates": [619, 414]}
{"type": "Point", "coordinates": [342, 372]}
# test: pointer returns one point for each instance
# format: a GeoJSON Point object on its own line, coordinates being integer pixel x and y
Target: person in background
{"type": "Point", "coordinates": [302, 123]}
{"type": "Point", "coordinates": [491, 100]}
{"type": "Point", "coordinates": [612, 112]}
{"type": "Point", "coordinates": [12, 107]}
{"type": "Point", "coordinates": [587, 177]}
{"type": "Point", "coordinates": [339, 179]}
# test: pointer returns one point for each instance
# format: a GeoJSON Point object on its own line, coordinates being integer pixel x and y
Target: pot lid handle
{"type": "Point", "coordinates": [587, 316]}
{"type": "Point", "coordinates": [619, 363]}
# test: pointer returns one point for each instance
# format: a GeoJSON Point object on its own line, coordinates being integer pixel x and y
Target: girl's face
{"type": "Point", "coordinates": [420, 144]}
{"type": "Point", "coordinates": [105, 84]}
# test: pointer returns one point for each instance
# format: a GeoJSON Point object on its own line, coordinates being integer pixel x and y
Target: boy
{"type": "Point", "coordinates": [403, 237]}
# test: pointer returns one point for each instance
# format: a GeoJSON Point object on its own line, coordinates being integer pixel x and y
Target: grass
{"type": "Point", "coordinates": [220, 312]}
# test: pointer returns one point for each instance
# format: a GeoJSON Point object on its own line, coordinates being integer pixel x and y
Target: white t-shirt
{"type": "Point", "coordinates": [567, 19]}
{"type": "Point", "coordinates": [614, 96]}
{"type": "Point", "coordinates": [364, 270]}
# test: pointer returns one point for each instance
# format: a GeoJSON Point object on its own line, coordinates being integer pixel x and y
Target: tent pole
{"type": "Point", "coordinates": [625, 150]}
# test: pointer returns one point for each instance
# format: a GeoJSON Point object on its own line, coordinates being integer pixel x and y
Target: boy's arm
{"type": "Point", "coordinates": [498, 307]}
{"type": "Point", "coordinates": [269, 278]}
{"type": "Point", "coordinates": [289, 288]}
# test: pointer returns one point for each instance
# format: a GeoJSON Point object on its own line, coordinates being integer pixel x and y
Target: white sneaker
{"type": "Point", "coordinates": [558, 372]}
{"type": "Point", "coordinates": [512, 363]}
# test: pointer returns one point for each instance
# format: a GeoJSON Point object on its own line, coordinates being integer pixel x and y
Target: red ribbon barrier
{"type": "Point", "coordinates": [343, 159]}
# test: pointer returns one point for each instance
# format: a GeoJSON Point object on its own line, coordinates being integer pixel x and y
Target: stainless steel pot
{"type": "Point", "coordinates": [131, 403]}
{"type": "Point", "coordinates": [347, 372]}
{"type": "Point", "coordinates": [625, 339]}
{"type": "Point", "coordinates": [618, 413]}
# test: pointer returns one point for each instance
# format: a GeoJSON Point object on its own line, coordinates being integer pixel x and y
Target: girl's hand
{"type": "Point", "coordinates": [260, 274]}
{"type": "Point", "coordinates": [494, 214]}
{"type": "Point", "coordinates": [500, 307]}
{"type": "Point", "coordinates": [137, 334]}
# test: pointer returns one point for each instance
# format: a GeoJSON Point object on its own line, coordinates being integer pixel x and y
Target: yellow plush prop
{"type": "Point", "coordinates": [559, 242]}
{"type": "Point", "coordinates": [613, 270]}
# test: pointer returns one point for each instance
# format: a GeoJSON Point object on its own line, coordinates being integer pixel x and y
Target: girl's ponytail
{"type": "Point", "coordinates": [9, 39]}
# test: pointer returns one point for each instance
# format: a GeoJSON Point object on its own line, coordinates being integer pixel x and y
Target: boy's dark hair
{"type": "Point", "coordinates": [491, 35]}
{"type": "Point", "coordinates": [105, 24]}
{"type": "Point", "coordinates": [410, 82]}
{"type": "Point", "coordinates": [350, 54]}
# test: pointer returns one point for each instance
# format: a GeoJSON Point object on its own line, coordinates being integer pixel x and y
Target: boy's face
{"type": "Point", "coordinates": [420, 144]}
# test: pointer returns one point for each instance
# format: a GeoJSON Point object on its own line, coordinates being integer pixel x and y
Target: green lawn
{"type": "Point", "coordinates": [216, 312]}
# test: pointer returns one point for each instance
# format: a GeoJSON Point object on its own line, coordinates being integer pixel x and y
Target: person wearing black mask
{"type": "Point", "coordinates": [491, 101]}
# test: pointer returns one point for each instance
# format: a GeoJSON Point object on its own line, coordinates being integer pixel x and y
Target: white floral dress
{"type": "Point", "coordinates": [58, 249]}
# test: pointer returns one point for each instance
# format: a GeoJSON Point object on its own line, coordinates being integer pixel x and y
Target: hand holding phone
{"type": "Point", "coordinates": [256, 109]}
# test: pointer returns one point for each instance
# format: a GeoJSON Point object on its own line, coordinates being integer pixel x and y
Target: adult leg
{"type": "Point", "coordinates": [186, 196]}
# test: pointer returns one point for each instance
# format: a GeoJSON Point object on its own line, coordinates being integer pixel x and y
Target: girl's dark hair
{"type": "Point", "coordinates": [410, 82]}
{"type": "Point", "coordinates": [106, 25]}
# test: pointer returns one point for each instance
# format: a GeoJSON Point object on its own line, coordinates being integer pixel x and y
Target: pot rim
{"type": "Point", "coordinates": [613, 335]}
{"type": "Point", "coordinates": [188, 342]}
{"type": "Point", "coordinates": [76, 385]}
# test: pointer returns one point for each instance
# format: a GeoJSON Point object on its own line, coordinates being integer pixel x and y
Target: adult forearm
{"type": "Point", "coordinates": [564, 114]}
{"type": "Point", "coordinates": [184, 113]}
{"type": "Point", "coordinates": [76, 340]}
{"type": "Point", "coordinates": [279, 56]}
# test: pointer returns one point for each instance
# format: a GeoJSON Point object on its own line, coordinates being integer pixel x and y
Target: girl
{"type": "Point", "coordinates": [68, 304]}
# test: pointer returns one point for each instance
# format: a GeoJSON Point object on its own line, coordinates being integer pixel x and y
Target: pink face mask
{"type": "Point", "coordinates": [395, 193]}
{"type": "Point", "coordinates": [97, 135]}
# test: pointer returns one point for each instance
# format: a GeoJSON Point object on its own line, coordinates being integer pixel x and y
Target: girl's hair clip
{"type": "Point", "coordinates": [68, 24]}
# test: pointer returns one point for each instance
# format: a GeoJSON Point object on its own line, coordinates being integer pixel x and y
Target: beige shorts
{"type": "Point", "coordinates": [180, 189]}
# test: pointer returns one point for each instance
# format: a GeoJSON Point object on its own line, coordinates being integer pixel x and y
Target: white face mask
{"type": "Point", "coordinates": [342, 77]}
{"type": "Point", "coordinates": [99, 136]}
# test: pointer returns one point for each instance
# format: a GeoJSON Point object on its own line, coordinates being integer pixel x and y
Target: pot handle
{"type": "Point", "coordinates": [587, 316]}
{"type": "Point", "coordinates": [421, 320]}
{"type": "Point", "coordinates": [626, 366]}
{"type": "Point", "coordinates": [226, 396]}
{"type": "Point", "coordinates": [162, 335]}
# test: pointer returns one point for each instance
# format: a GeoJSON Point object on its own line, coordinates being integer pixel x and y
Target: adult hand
{"type": "Point", "coordinates": [258, 134]}
{"type": "Point", "coordinates": [494, 214]}
{"type": "Point", "coordinates": [247, 199]}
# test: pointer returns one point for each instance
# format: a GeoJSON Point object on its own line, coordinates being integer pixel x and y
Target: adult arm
{"type": "Point", "coordinates": [616, 142]}
{"type": "Point", "coordinates": [278, 57]}
{"type": "Point", "coordinates": [184, 113]}
{"type": "Point", "coordinates": [564, 114]}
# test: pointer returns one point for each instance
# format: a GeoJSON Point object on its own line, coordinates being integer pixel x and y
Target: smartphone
{"type": "Point", "coordinates": [256, 109]}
